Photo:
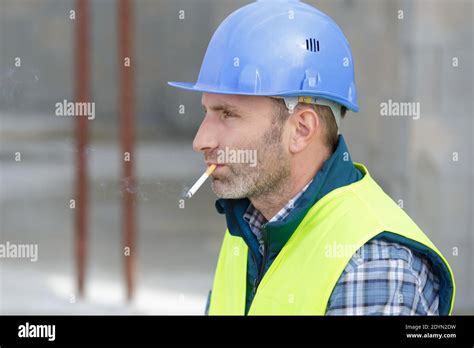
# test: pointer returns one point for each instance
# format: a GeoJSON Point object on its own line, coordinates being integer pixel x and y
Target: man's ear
{"type": "Point", "coordinates": [305, 125]}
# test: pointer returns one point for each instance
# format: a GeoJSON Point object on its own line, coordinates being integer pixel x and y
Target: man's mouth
{"type": "Point", "coordinates": [210, 163]}
{"type": "Point", "coordinates": [219, 168]}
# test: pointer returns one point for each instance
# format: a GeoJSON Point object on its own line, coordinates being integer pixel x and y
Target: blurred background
{"type": "Point", "coordinates": [426, 163]}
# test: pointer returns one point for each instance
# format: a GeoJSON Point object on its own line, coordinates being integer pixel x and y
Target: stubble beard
{"type": "Point", "coordinates": [269, 176]}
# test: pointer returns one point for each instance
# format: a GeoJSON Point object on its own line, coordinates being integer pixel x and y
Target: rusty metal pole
{"type": "Point", "coordinates": [82, 93]}
{"type": "Point", "coordinates": [127, 131]}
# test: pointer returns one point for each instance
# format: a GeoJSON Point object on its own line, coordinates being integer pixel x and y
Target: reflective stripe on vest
{"type": "Point", "coordinates": [302, 277]}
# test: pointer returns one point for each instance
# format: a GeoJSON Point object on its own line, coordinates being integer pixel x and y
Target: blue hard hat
{"type": "Point", "coordinates": [280, 48]}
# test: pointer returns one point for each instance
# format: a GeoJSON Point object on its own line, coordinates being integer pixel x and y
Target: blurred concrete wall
{"type": "Point", "coordinates": [425, 164]}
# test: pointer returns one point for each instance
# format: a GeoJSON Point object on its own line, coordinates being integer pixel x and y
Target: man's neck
{"type": "Point", "coordinates": [271, 203]}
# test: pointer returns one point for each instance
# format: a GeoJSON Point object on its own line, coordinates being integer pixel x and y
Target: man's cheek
{"type": "Point", "coordinates": [241, 169]}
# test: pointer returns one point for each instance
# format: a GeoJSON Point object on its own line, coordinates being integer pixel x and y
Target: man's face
{"type": "Point", "coordinates": [243, 136]}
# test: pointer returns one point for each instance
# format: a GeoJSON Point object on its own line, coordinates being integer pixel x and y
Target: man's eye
{"type": "Point", "coordinates": [227, 114]}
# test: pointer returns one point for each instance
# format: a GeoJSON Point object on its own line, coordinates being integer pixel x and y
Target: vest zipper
{"type": "Point", "coordinates": [257, 281]}
{"type": "Point", "coordinates": [254, 261]}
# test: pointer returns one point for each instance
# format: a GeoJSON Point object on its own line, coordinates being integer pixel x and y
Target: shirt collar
{"type": "Point", "coordinates": [256, 220]}
{"type": "Point", "coordinates": [253, 216]}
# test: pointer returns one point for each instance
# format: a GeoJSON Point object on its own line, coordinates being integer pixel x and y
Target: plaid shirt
{"type": "Point", "coordinates": [382, 278]}
{"type": "Point", "coordinates": [256, 220]}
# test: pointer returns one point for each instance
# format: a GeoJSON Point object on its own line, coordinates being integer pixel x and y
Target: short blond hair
{"type": "Point", "coordinates": [324, 112]}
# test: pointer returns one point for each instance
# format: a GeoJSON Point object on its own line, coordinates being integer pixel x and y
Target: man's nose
{"type": "Point", "coordinates": [206, 136]}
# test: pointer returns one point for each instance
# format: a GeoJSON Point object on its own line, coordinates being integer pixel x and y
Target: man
{"type": "Point", "coordinates": [309, 231]}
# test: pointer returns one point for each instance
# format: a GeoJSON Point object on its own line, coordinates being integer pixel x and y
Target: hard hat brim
{"type": "Point", "coordinates": [190, 86]}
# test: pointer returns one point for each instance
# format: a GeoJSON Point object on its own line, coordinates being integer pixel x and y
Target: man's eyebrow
{"type": "Point", "coordinates": [221, 107]}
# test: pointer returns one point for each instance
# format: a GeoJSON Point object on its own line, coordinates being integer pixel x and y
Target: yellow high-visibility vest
{"type": "Point", "coordinates": [303, 275]}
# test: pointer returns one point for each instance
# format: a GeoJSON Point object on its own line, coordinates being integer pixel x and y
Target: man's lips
{"type": "Point", "coordinates": [219, 166]}
{"type": "Point", "coordinates": [215, 163]}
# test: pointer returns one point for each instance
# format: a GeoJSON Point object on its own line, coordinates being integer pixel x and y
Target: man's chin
{"type": "Point", "coordinates": [225, 190]}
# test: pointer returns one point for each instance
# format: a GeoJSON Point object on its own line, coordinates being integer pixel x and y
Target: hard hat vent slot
{"type": "Point", "coordinates": [312, 45]}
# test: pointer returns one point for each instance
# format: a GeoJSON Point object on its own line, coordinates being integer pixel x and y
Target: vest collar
{"type": "Point", "coordinates": [337, 171]}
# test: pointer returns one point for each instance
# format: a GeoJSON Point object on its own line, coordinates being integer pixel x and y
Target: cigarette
{"type": "Point", "coordinates": [201, 181]}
